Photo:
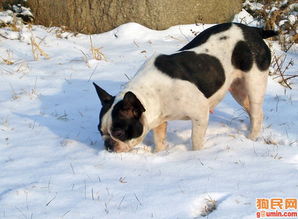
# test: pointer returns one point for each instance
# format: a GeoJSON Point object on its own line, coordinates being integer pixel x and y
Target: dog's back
{"type": "Point", "coordinates": [212, 60]}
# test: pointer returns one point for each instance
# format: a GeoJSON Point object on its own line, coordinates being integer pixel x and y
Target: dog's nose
{"type": "Point", "coordinates": [110, 144]}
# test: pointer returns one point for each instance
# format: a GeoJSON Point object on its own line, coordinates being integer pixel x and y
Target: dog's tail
{"type": "Point", "coordinates": [267, 33]}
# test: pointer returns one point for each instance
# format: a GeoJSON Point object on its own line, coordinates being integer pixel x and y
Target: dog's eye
{"type": "Point", "coordinates": [119, 134]}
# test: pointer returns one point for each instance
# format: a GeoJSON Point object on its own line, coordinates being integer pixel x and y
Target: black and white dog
{"type": "Point", "coordinates": [187, 85]}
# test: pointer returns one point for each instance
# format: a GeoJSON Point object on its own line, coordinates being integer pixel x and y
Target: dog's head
{"type": "Point", "coordinates": [121, 122]}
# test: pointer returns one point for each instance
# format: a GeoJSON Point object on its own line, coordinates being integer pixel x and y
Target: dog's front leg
{"type": "Point", "coordinates": [159, 134]}
{"type": "Point", "coordinates": [199, 127]}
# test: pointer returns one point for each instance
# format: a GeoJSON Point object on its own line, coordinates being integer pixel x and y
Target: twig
{"type": "Point", "coordinates": [293, 76]}
{"type": "Point", "coordinates": [93, 72]}
{"type": "Point", "coordinates": [289, 47]}
{"type": "Point", "coordinates": [3, 36]}
{"type": "Point", "coordinates": [138, 199]}
{"type": "Point", "coordinates": [92, 194]}
{"type": "Point", "coordinates": [66, 213]}
{"type": "Point", "coordinates": [281, 73]}
{"type": "Point", "coordinates": [72, 168]}
{"type": "Point", "coordinates": [121, 201]}
{"type": "Point", "coordinates": [106, 208]}
{"type": "Point", "coordinates": [127, 76]}
{"type": "Point", "coordinates": [50, 201]}
{"type": "Point", "coordinates": [134, 42]}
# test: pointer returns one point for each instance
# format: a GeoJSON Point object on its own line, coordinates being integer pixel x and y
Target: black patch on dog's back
{"type": "Point", "coordinates": [204, 36]}
{"type": "Point", "coordinates": [203, 70]}
{"type": "Point", "coordinates": [260, 51]}
{"type": "Point", "coordinates": [242, 57]}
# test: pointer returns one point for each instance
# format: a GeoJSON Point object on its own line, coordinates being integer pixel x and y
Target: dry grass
{"type": "Point", "coordinates": [31, 93]}
{"type": "Point", "coordinates": [275, 15]}
{"type": "Point", "coordinates": [14, 25]}
{"type": "Point", "coordinates": [96, 53]}
{"type": "Point", "coordinates": [63, 32]}
{"type": "Point", "coordinates": [36, 49]}
{"type": "Point", "coordinates": [85, 57]}
{"type": "Point", "coordinates": [8, 59]}
{"type": "Point", "coordinates": [210, 206]}
{"type": "Point", "coordinates": [269, 140]}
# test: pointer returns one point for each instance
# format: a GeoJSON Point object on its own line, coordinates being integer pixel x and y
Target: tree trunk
{"type": "Point", "coordinates": [95, 16]}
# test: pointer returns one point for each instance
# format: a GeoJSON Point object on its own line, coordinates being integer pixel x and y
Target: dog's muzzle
{"type": "Point", "coordinates": [115, 146]}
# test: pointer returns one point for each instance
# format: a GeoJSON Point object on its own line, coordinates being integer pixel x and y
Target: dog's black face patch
{"type": "Point", "coordinates": [204, 36]}
{"type": "Point", "coordinates": [203, 70]}
{"type": "Point", "coordinates": [126, 118]}
{"type": "Point", "coordinates": [260, 51]}
{"type": "Point", "coordinates": [242, 57]}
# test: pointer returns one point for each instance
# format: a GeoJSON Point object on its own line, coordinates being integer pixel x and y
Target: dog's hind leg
{"type": "Point", "coordinates": [249, 92]}
{"type": "Point", "coordinates": [159, 134]}
{"type": "Point", "coordinates": [256, 83]}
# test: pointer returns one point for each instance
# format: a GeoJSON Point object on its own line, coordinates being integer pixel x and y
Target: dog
{"type": "Point", "coordinates": [187, 85]}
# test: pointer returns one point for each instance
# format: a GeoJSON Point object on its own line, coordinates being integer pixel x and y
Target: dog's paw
{"type": "Point", "coordinates": [160, 148]}
{"type": "Point", "coordinates": [252, 136]}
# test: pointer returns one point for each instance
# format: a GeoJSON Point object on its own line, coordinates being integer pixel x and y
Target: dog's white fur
{"type": "Point", "coordinates": [165, 98]}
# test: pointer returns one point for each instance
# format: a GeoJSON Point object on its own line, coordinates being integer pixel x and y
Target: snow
{"type": "Point", "coordinates": [6, 17]}
{"type": "Point", "coordinates": [292, 19]}
{"type": "Point", "coordinates": [244, 17]}
{"type": "Point", "coordinates": [253, 5]}
{"type": "Point", "coordinates": [22, 10]}
{"type": "Point", "coordinates": [52, 159]}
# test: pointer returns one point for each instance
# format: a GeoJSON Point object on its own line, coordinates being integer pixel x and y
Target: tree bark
{"type": "Point", "coordinates": [95, 16]}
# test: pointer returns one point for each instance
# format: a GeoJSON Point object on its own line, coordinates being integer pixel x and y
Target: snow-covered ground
{"type": "Point", "coordinates": [52, 159]}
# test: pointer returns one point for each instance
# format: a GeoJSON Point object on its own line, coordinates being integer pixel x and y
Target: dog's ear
{"type": "Point", "coordinates": [131, 102]}
{"type": "Point", "coordinates": [104, 96]}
